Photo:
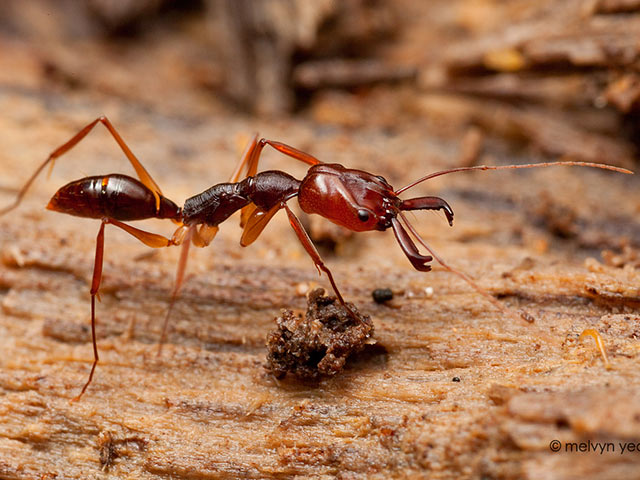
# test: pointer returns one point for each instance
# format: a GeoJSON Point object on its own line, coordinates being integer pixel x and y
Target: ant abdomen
{"type": "Point", "coordinates": [115, 196]}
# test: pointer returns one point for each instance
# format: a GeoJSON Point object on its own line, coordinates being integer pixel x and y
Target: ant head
{"type": "Point", "coordinates": [355, 199]}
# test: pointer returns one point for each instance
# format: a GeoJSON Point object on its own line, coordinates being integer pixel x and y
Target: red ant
{"type": "Point", "coordinates": [354, 199]}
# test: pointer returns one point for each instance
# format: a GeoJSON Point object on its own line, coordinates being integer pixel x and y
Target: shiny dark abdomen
{"type": "Point", "coordinates": [115, 196]}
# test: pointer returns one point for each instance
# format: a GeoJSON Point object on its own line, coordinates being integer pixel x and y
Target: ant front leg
{"type": "Point", "coordinates": [308, 245]}
{"type": "Point", "coordinates": [249, 164]}
{"type": "Point", "coordinates": [251, 157]}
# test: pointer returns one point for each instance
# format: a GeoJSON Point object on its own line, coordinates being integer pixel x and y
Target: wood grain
{"type": "Point", "coordinates": [452, 388]}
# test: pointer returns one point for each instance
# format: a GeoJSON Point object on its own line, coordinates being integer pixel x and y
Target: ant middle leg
{"type": "Point", "coordinates": [201, 237]}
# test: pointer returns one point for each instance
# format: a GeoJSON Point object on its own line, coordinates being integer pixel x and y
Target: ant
{"type": "Point", "coordinates": [355, 199]}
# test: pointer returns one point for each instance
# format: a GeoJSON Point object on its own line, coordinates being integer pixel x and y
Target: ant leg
{"type": "Point", "coordinates": [142, 173]}
{"type": "Point", "coordinates": [95, 286]}
{"type": "Point", "coordinates": [308, 245]}
{"type": "Point", "coordinates": [255, 223]}
{"type": "Point", "coordinates": [152, 240]}
{"type": "Point", "coordinates": [258, 221]}
{"type": "Point", "coordinates": [246, 213]}
{"type": "Point", "coordinates": [200, 237]}
{"type": "Point", "coordinates": [182, 267]}
{"type": "Point", "coordinates": [249, 162]}
{"type": "Point", "coordinates": [252, 152]}
{"type": "Point", "coordinates": [289, 150]}
{"type": "Point", "coordinates": [149, 239]}
{"type": "Point", "coordinates": [204, 235]}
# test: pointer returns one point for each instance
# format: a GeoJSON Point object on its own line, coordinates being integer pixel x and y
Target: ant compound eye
{"type": "Point", "coordinates": [363, 215]}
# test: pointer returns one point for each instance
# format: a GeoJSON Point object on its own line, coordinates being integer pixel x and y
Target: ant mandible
{"type": "Point", "coordinates": [354, 199]}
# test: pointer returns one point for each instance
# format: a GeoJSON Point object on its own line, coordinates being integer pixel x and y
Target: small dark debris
{"type": "Point", "coordinates": [527, 317]}
{"type": "Point", "coordinates": [455, 379]}
{"type": "Point", "coordinates": [111, 448]}
{"type": "Point", "coordinates": [320, 343]}
{"type": "Point", "coordinates": [382, 295]}
{"type": "Point", "coordinates": [106, 449]}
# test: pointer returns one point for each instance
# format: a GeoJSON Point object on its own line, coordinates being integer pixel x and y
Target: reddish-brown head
{"type": "Point", "coordinates": [354, 199]}
{"type": "Point", "coordinates": [361, 201]}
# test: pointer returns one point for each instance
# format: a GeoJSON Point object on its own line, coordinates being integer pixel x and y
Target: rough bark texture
{"type": "Point", "coordinates": [452, 389]}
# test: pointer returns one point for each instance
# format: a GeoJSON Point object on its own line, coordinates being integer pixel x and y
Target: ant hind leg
{"type": "Point", "coordinates": [142, 173]}
{"type": "Point", "coordinates": [95, 286]}
{"type": "Point", "coordinates": [149, 239]}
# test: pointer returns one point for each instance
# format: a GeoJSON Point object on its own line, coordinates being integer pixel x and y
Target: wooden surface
{"type": "Point", "coordinates": [452, 388]}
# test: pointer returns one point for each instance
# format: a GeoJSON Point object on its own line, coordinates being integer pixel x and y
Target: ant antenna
{"type": "Point", "coordinates": [602, 166]}
{"type": "Point", "coordinates": [522, 315]}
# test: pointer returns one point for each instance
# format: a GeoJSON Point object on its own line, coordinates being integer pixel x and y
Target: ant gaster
{"type": "Point", "coordinates": [354, 199]}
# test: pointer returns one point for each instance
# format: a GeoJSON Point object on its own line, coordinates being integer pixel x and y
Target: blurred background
{"type": "Point", "coordinates": [558, 77]}
{"type": "Point", "coordinates": [400, 88]}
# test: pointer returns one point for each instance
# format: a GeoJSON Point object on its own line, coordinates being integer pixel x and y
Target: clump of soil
{"type": "Point", "coordinates": [320, 343]}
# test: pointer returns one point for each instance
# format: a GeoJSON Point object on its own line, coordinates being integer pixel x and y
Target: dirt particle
{"type": "Point", "coordinates": [382, 295]}
{"type": "Point", "coordinates": [319, 343]}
